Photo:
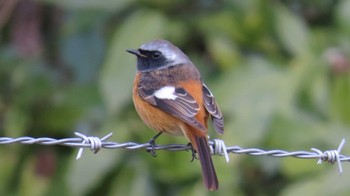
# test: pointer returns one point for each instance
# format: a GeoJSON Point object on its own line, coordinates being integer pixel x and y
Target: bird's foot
{"type": "Point", "coordinates": [152, 142]}
{"type": "Point", "coordinates": [194, 154]}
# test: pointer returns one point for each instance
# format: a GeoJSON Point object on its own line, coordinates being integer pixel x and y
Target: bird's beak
{"type": "Point", "coordinates": [136, 52]}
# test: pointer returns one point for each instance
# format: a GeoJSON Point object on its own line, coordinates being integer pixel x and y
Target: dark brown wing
{"type": "Point", "coordinates": [213, 109]}
{"type": "Point", "coordinates": [183, 106]}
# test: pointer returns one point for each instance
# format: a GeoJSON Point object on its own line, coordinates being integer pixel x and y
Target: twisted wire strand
{"type": "Point", "coordinates": [217, 147]}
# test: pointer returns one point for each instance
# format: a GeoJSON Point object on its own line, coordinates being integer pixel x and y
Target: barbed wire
{"type": "Point", "coordinates": [217, 147]}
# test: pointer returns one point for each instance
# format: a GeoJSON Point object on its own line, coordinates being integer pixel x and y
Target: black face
{"type": "Point", "coordinates": [149, 60]}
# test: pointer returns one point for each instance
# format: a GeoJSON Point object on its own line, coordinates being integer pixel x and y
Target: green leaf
{"type": "Point", "coordinates": [291, 31]}
{"type": "Point", "coordinates": [30, 182]}
{"type": "Point", "coordinates": [83, 50]}
{"type": "Point", "coordinates": [340, 97]}
{"type": "Point", "coordinates": [326, 183]}
{"type": "Point", "coordinates": [250, 97]}
{"type": "Point", "coordinates": [111, 5]}
{"type": "Point", "coordinates": [343, 14]}
{"type": "Point", "coordinates": [134, 179]}
{"type": "Point", "coordinates": [15, 122]}
{"type": "Point", "coordinates": [223, 51]}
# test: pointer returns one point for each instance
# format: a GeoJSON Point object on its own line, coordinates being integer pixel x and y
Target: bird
{"type": "Point", "coordinates": [170, 97]}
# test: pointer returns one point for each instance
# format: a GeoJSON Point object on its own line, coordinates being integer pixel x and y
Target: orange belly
{"type": "Point", "coordinates": [155, 118]}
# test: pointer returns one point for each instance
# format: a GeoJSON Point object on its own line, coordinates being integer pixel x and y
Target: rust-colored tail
{"type": "Point", "coordinates": [208, 171]}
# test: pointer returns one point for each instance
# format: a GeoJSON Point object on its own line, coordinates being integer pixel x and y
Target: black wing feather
{"type": "Point", "coordinates": [183, 107]}
{"type": "Point", "coordinates": [213, 109]}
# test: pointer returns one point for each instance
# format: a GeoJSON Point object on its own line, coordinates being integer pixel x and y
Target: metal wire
{"type": "Point", "coordinates": [217, 147]}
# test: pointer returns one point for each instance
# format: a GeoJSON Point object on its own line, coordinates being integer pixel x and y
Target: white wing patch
{"type": "Point", "coordinates": [166, 92]}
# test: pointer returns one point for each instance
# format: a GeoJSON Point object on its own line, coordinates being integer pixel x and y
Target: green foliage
{"type": "Point", "coordinates": [278, 69]}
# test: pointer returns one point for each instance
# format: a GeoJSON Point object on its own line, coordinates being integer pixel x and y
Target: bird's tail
{"type": "Point", "coordinates": [210, 179]}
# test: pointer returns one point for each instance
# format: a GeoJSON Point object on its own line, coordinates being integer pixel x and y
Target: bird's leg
{"type": "Point", "coordinates": [152, 142]}
{"type": "Point", "coordinates": [194, 155]}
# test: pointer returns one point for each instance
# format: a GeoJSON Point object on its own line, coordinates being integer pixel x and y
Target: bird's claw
{"type": "Point", "coordinates": [194, 154]}
{"type": "Point", "coordinates": [152, 143]}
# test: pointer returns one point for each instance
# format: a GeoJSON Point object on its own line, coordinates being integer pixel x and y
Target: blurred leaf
{"type": "Point", "coordinates": [176, 168]}
{"type": "Point", "coordinates": [343, 14]}
{"type": "Point", "coordinates": [325, 183]}
{"type": "Point", "coordinates": [223, 51]}
{"type": "Point", "coordinates": [119, 69]}
{"type": "Point", "coordinates": [67, 107]}
{"type": "Point", "coordinates": [8, 167]}
{"type": "Point", "coordinates": [251, 96]}
{"type": "Point", "coordinates": [340, 97]}
{"type": "Point", "coordinates": [133, 180]}
{"type": "Point", "coordinates": [291, 31]}
{"type": "Point", "coordinates": [310, 74]}
{"type": "Point", "coordinates": [83, 51]}
{"type": "Point", "coordinates": [298, 168]}
{"type": "Point", "coordinates": [177, 31]}
{"type": "Point", "coordinates": [111, 5]}
{"type": "Point", "coordinates": [15, 122]}
{"type": "Point", "coordinates": [291, 127]}
{"type": "Point", "coordinates": [223, 22]}
{"type": "Point", "coordinates": [30, 182]}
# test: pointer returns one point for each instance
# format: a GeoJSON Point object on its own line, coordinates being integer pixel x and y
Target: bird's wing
{"type": "Point", "coordinates": [175, 101]}
{"type": "Point", "coordinates": [213, 109]}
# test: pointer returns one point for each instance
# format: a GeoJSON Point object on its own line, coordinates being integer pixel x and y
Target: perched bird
{"type": "Point", "coordinates": [170, 96]}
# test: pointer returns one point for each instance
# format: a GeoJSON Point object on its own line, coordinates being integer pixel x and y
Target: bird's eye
{"type": "Point", "coordinates": [156, 55]}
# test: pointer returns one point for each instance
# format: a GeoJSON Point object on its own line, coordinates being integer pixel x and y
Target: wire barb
{"type": "Point", "coordinates": [95, 143]}
{"type": "Point", "coordinates": [219, 147]}
{"type": "Point", "coordinates": [331, 156]}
